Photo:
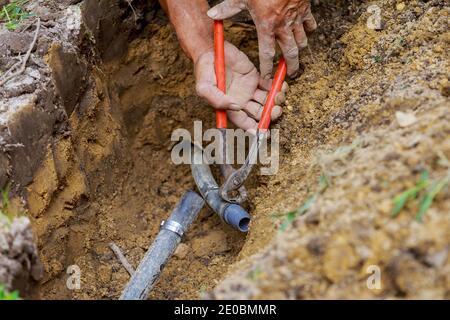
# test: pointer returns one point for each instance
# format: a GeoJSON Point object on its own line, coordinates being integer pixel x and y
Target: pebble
{"type": "Point", "coordinates": [181, 251]}
{"type": "Point", "coordinates": [405, 119]}
{"type": "Point", "coordinates": [105, 273]}
{"type": "Point", "coordinates": [437, 259]}
{"type": "Point", "coordinates": [401, 6]}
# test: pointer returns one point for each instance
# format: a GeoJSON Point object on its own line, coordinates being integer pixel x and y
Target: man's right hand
{"type": "Point", "coordinates": [284, 21]}
{"type": "Point", "coordinates": [244, 99]}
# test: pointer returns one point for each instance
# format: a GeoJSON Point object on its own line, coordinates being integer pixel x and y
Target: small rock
{"type": "Point", "coordinates": [15, 42]}
{"type": "Point", "coordinates": [445, 87]}
{"type": "Point", "coordinates": [182, 251]}
{"type": "Point", "coordinates": [339, 259]}
{"type": "Point", "coordinates": [405, 119]}
{"type": "Point", "coordinates": [313, 217]}
{"type": "Point", "coordinates": [401, 6]}
{"type": "Point", "coordinates": [437, 259]}
{"type": "Point", "coordinates": [289, 107]}
{"type": "Point", "coordinates": [105, 273]}
{"type": "Point", "coordinates": [316, 246]}
{"type": "Point", "coordinates": [409, 275]}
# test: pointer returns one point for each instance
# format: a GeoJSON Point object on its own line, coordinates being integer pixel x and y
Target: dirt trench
{"type": "Point", "coordinates": [107, 175]}
{"type": "Point", "coordinates": [110, 177]}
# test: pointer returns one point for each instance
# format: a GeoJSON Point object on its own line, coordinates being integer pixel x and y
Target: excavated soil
{"type": "Point", "coordinates": [110, 178]}
{"type": "Point", "coordinates": [342, 122]}
{"type": "Point", "coordinates": [120, 182]}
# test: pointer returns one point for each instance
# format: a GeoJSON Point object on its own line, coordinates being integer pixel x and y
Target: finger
{"type": "Point", "coordinates": [309, 22]}
{"type": "Point", "coordinates": [266, 40]}
{"type": "Point", "coordinates": [215, 97]}
{"type": "Point", "coordinates": [276, 113]}
{"type": "Point", "coordinates": [254, 110]}
{"type": "Point", "coordinates": [242, 120]}
{"type": "Point", "coordinates": [260, 96]}
{"type": "Point", "coordinates": [285, 87]}
{"type": "Point", "coordinates": [280, 98]}
{"type": "Point", "coordinates": [267, 84]}
{"type": "Point", "coordinates": [226, 9]}
{"type": "Point", "coordinates": [299, 33]}
{"type": "Point", "coordinates": [288, 46]}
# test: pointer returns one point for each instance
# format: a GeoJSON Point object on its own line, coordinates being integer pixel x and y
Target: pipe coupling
{"type": "Point", "coordinates": [173, 226]}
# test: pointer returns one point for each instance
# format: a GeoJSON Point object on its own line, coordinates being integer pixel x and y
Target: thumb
{"type": "Point", "coordinates": [226, 9]}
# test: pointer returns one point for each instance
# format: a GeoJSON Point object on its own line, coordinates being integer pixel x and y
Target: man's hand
{"type": "Point", "coordinates": [243, 99]}
{"type": "Point", "coordinates": [285, 21]}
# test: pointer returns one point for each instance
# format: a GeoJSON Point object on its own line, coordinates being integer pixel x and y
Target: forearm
{"type": "Point", "coordinates": [193, 26]}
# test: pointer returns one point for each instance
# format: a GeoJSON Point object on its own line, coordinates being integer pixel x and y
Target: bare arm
{"type": "Point", "coordinates": [193, 26]}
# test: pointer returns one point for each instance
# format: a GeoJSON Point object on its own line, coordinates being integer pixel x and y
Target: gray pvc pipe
{"type": "Point", "coordinates": [232, 214]}
{"type": "Point", "coordinates": [167, 240]}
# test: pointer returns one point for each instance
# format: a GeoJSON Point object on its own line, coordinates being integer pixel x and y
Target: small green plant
{"type": "Point", "coordinates": [5, 222]}
{"type": "Point", "coordinates": [425, 190]}
{"type": "Point", "coordinates": [254, 274]}
{"type": "Point", "coordinates": [5, 215]}
{"type": "Point", "coordinates": [427, 201]}
{"type": "Point", "coordinates": [14, 13]}
{"type": "Point", "coordinates": [203, 289]}
{"type": "Point", "coordinates": [4, 295]}
{"type": "Point", "coordinates": [292, 215]}
{"type": "Point", "coordinates": [403, 198]}
{"type": "Point", "coordinates": [377, 59]}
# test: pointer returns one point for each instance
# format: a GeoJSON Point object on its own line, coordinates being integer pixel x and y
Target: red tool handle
{"type": "Point", "coordinates": [277, 84]}
{"type": "Point", "coordinates": [219, 54]}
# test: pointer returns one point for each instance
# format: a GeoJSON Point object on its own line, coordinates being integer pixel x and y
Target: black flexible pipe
{"type": "Point", "coordinates": [167, 240]}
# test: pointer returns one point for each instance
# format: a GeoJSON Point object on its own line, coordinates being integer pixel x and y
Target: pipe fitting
{"type": "Point", "coordinates": [233, 214]}
{"type": "Point", "coordinates": [237, 217]}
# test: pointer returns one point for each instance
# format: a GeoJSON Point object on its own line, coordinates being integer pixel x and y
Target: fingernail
{"type": "Point", "coordinates": [212, 13]}
{"type": "Point", "coordinates": [235, 106]}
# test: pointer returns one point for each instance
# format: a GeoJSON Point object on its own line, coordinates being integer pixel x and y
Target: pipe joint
{"type": "Point", "coordinates": [173, 226]}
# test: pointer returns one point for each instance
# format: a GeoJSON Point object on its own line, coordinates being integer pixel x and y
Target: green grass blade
{"type": "Point", "coordinates": [5, 198]}
{"type": "Point", "coordinates": [13, 14]}
{"type": "Point", "coordinates": [428, 199]}
{"type": "Point", "coordinates": [8, 295]}
{"type": "Point", "coordinates": [410, 194]}
{"type": "Point", "coordinates": [290, 217]}
{"type": "Point", "coordinates": [399, 203]}
{"type": "Point", "coordinates": [401, 200]}
{"type": "Point", "coordinates": [307, 205]}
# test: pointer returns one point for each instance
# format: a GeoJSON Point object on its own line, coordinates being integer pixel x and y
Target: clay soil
{"type": "Point", "coordinates": [340, 122]}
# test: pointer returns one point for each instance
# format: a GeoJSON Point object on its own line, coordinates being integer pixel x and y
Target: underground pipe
{"type": "Point", "coordinates": [232, 214]}
{"type": "Point", "coordinates": [167, 240]}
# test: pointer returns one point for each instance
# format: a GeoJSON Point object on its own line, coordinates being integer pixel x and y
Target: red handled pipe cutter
{"type": "Point", "coordinates": [232, 190]}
